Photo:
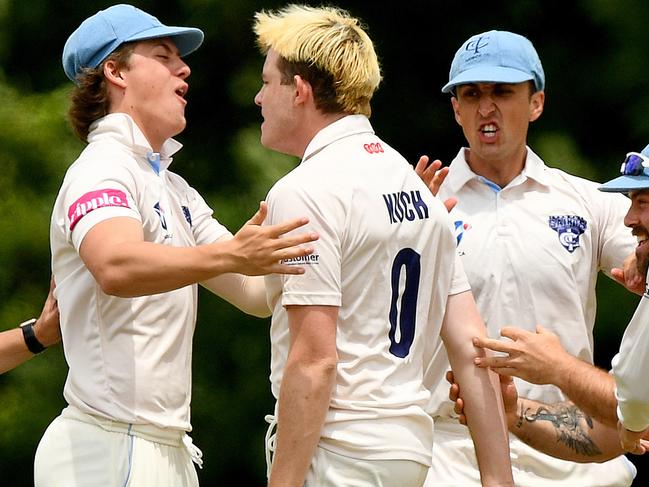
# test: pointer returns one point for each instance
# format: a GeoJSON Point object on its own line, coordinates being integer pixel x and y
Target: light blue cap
{"type": "Point", "coordinates": [624, 184]}
{"type": "Point", "coordinates": [496, 57]}
{"type": "Point", "coordinates": [101, 34]}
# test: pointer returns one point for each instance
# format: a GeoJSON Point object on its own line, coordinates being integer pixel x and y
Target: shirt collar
{"type": "Point", "coordinates": [461, 173]}
{"type": "Point", "coordinates": [122, 128]}
{"type": "Point", "coordinates": [344, 127]}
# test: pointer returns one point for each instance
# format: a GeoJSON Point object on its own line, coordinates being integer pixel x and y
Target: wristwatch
{"type": "Point", "coordinates": [31, 341]}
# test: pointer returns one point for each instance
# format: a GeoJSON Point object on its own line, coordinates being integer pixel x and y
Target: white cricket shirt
{"type": "Point", "coordinates": [532, 252]}
{"type": "Point", "coordinates": [386, 258]}
{"type": "Point", "coordinates": [129, 358]}
{"type": "Point", "coordinates": [630, 366]}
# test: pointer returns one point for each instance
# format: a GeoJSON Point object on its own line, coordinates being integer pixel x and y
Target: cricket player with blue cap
{"type": "Point", "coordinates": [532, 240]}
{"type": "Point", "coordinates": [630, 365]}
{"type": "Point", "coordinates": [130, 241]}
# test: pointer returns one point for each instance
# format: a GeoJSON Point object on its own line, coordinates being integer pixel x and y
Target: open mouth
{"type": "Point", "coordinates": [489, 130]}
{"type": "Point", "coordinates": [182, 91]}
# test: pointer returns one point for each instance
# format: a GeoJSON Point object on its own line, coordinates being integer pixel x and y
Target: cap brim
{"type": "Point", "coordinates": [624, 184]}
{"type": "Point", "coordinates": [490, 74]}
{"type": "Point", "coordinates": [187, 39]}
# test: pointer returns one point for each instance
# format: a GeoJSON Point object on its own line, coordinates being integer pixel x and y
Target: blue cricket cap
{"type": "Point", "coordinates": [630, 182]}
{"type": "Point", "coordinates": [496, 57]}
{"type": "Point", "coordinates": [98, 36]}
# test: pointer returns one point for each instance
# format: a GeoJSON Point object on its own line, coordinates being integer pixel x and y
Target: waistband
{"type": "Point", "coordinates": [149, 432]}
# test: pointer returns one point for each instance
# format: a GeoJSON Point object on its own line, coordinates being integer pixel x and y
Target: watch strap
{"type": "Point", "coordinates": [31, 341]}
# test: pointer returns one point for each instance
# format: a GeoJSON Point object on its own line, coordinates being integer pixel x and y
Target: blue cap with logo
{"type": "Point", "coordinates": [635, 174]}
{"type": "Point", "coordinates": [496, 57]}
{"type": "Point", "coordinates": [98, 36]}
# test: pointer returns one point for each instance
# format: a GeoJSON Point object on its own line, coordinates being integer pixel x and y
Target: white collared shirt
{"type": "Point", "coordinates": [129, 358]}
{"type": "Point", "coordinates": [386, 249]}
{"type": "Point", "coordinates": [532, 252]}
{"type": "Point", "coordinates": [630, 366]}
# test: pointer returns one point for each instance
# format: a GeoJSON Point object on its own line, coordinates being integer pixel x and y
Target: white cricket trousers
{"type": "Point", "coordinates": [81, 450]}
{"type": "Point", "coordinates": [328, 469]}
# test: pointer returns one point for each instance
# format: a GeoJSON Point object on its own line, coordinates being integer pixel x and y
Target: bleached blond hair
{"type": "Point", "coordinates": [326, 47]}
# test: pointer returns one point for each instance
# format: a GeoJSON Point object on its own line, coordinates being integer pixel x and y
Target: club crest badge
{"type": "Point", "coordinates": [569, 228]}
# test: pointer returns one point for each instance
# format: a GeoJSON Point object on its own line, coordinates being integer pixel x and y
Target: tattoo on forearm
{"type": "Point", "coordinates": [571, 424]}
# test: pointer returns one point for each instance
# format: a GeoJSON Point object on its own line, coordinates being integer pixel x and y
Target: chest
{"type": "Point", "coordinates": [165, 210]}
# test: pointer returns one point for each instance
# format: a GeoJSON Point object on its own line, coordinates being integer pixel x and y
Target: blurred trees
{"type": "Point", "coordinates": [593, 52]}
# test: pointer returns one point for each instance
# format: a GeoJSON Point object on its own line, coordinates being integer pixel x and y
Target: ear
{"type": "Point", "coordinates": [456, 110]}
{"type": "Point", "coordinates": [113, 75]}
{"type": "Point", "coordinates": [536, 105]}
{"type": "Point", "coordinates": [303, 90]}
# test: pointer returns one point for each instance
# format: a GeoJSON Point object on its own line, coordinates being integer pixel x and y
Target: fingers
{"type": "Point", "coordinates": [433, 174]}
{"type": "Point", "coordinates": [491, 344]}
{"type": "Point", "coordinates": [287, 226]}
{"type": "Point", "coordinates": [420, 167]}
{"type": "Point", "coordinates": [450, 377]}
{"type": "Point", "coordinates": [618, 275]}
{"type": "Point", "coordinates": [514, 333]}
{"type": "Point", "coordinates": [259, 217]}
{"type": "Point", "coordinates": [289, 247]}
{"type": "Point", "coordinates": [286, 269]}
{"type": "Point", "coordinates": [450, 203]}
{"type": "Point", "coordinates": [454, 392]}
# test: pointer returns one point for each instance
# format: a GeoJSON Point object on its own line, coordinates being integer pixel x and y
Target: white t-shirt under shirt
{"type": "Point", "coordinates": [129, 358]}
{"type": "Point", "coordinates": [386, 259]}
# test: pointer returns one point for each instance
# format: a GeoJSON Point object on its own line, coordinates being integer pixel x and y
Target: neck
{"type": "Point", "coordinates": [500, 170]}
{"type": "Point", "coordinates": [315, 125]}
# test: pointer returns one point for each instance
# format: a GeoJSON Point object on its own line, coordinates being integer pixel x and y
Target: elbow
{"type": "Point", "coordinates": [112, 282]}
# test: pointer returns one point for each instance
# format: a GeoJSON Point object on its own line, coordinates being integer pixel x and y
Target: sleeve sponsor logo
{"type": "Point", "coordinates": [93, 200]}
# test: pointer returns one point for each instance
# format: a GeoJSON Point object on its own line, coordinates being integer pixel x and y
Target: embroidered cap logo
{"type": "Point", "coordinates": [477, 44]}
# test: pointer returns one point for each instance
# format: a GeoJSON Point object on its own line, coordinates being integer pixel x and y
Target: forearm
{"type": "Point", "coordinates": [590, 388]}
{"type": "Point", "coordinates": [483, 405]}
{"type": "Point", "coordinates": [563, 431]}
{"type": "Point", "coordinates": [13, 350]}
{"type": "Point", "coordinates": [248, 293]}
{"type": "Point", "coordinates": [486, 421]}
{"type": "Point", "coordinates": [303, 404]}
{"type": "Point", "coordinates": [144, 268]}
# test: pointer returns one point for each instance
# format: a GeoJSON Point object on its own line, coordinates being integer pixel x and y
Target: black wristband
{"type": "Point", "coordinates": [31, 341]}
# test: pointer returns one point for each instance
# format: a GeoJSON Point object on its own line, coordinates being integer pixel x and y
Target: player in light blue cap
{"type": "Point", "coordinates": [630, 365]}
{"type": "Point", "coordinates": [130, 241]}
{"type": "Point", "coordinates": [532, 239]}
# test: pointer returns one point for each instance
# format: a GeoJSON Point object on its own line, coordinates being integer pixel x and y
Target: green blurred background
{"type": "Point", "coordinates": [597, 103]}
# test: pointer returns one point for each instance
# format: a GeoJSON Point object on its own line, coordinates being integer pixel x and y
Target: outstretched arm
{"type": "Point", "coordinates": [539, 358]}
{"type": "Point", "coordinates": [483, 401]}
{"type": "Point", "coordinates": [561, 429]}
{"type": "Point", "coordinates": [125, 265]}
{"type": "Point", "coordinates": [14, 351]}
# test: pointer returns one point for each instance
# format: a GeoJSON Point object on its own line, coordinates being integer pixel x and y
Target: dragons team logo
{"type": "Point", "coordinates": [569, 228]}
